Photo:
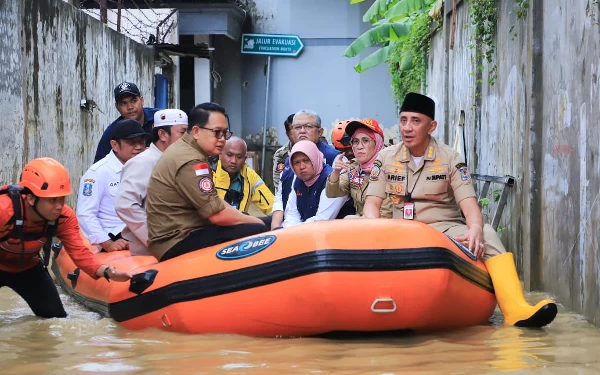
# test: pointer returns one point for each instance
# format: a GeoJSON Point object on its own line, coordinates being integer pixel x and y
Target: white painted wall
{"type": "Point", "coordinates": [202, 74]}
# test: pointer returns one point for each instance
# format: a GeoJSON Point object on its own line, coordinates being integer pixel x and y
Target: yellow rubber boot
{"type": "Point", "coordinates": [509, 295]}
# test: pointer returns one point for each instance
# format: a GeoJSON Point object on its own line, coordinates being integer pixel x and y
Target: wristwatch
{"type": "Point", "coordinates": [106, 276]}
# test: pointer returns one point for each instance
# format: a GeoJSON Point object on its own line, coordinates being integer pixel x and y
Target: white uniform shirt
{"type": "Point", "coordinates": [131, 199]}
{"type": "Point", "coordinates": [328, 209]}
{"type": "Point", "coordinates": [278, 202]}
{"type": "Point", "coordinates": [96, 201]}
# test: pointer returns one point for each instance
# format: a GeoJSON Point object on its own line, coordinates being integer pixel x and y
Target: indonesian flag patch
{"type": "Point", "coordinates": [201, 169]}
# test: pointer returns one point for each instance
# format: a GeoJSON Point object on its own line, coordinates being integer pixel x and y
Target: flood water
{"type": "Point", "coordinates": [85, 343]}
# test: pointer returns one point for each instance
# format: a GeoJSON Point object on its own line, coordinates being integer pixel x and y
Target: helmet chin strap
{"type": "Point", "coordinates": [34, 207]}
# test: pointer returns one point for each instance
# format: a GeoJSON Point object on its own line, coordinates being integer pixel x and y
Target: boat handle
{"type": "Point", "coordinates": [164, 319]}
{"type": "Point", "coordinates": [383, 311]}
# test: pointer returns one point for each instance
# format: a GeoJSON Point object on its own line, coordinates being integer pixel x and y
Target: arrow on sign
{"type": "Point", "coordinates": [272, 44]}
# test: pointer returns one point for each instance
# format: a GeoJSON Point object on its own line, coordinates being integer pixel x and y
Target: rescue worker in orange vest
{"type": "Point", "coordinates": [31, 213]}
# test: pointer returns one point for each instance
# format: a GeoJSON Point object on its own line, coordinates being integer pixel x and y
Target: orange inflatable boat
{"type": "Point", "coordinates": [341, 275]}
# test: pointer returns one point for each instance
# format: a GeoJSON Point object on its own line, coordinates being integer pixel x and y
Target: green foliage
{"type": "Point", "coordinates": [484, 15]}
{"type": "Point", "coordinates": [392, 21]}
{"type": "Point", "coordinates": [484, 203]}
{"type": "Point", "coordinates": [376, 58]}
{"type": "Point", "coordinates": [384, 31]}
{"type": "Point", "coordinates": [377, 10]}
{"type": "Point", "coordinates": [522, 8]}
{"type": "Point", "coordinates": [521, 12]}
{"type": "Point", "coordinates": [408, 58]}
{"type": "Point", "coordinates": [591, 11]}
{"type": "Point", "coordinates": [405, 8]}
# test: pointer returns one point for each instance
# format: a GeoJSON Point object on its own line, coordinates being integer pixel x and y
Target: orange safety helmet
{"type": "Point", "coordinates": [338, 135]}
{"type": "Point", "coordinates": [46, 178]}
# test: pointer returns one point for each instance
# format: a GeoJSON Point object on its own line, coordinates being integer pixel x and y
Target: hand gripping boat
{"type": "Point", "coordinates": [317, 278]}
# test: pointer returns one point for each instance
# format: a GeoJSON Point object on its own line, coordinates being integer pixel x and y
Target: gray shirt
{"type": "Point", "coordinates": [130, 203]}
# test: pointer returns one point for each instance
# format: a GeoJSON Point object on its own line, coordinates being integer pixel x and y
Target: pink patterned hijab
{"type": "Point", "coordinates": [309, 149]}
{"type": "Point", "coordinates": [379, 145]}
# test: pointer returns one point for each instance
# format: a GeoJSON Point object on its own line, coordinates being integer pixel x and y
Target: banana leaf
{"type": "Point", "coordinates": [407, 60]}
{"type": "Point", "coordinates": [377, 10]}
{"type": "Point", "coordinates": [376, 58]}
{"type": "Point", "coordinates": [384, 31]}
{"type": "Point", "coordinates": [404, 8]}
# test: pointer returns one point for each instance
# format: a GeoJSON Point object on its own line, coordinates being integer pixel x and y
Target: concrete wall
{"type": "Point", "coordinates": [53, 56]}
{"type": "Point", "coordinates": [321, 78]}
{"type": "Point", "coordinates": [539, 124]}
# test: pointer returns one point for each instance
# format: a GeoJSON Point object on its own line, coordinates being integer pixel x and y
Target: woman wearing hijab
{"type": "Point", "coordinates": [307, 201]}
{"type": "Point", "coordinates": [366, 137]}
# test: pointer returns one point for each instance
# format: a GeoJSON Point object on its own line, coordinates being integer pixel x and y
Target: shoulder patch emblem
{"type": "Point", "coordinates": [464, 174]}
{"type": "Point", "coordinates": [375, 171]}
{"type": "Point", "coordinates": [206, 185]}
{"type": "Point", "coordinates": [88, 188]}
{"type": "Point", "coordinates": [460, 165]}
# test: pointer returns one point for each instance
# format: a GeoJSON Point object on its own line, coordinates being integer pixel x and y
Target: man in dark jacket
{"type": "Point", "coordinates": [130, 104]}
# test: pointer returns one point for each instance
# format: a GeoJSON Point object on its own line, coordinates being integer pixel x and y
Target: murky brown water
{"type": "Point", "coordinates": [86, 344]}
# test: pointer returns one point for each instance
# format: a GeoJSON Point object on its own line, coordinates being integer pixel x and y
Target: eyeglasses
{"type": "Point", "coordinates": [220, 133]}
{"type": "Point", "coordinates": [361, 141]}
{"type": "Point", "coordinates": [304, 126]}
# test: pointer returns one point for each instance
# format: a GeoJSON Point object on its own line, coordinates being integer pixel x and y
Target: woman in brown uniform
{"type": "Point", "coordinates": [366, 138]}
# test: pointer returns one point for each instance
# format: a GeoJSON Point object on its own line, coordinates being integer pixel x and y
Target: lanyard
{"type": "Point", "coordinates": [409, 193]}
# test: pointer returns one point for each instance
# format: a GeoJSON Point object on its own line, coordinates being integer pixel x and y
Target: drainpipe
{"type": "Point", "coordinates": [532, 233]}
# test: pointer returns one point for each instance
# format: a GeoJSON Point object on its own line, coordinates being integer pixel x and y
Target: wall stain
{"type": "Point", "coordinates": [42, 80]}
{"type": "Point", "coordinates": [60, 130]}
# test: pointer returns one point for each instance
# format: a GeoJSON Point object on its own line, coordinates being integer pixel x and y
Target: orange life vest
{"type": "Point", "coordinates": [16, 241]}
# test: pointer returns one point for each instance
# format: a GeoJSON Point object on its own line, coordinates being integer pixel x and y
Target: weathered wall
{"type": "Point", "coordinates": [539, 124]}
{"type": "Point", "coordinates": [53, 56]}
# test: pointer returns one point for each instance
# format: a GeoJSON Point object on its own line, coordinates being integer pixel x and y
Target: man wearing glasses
{"type": "Point", "coordinates": [305, 126]}
{"type": "Point", "coordinates": [184, 210]}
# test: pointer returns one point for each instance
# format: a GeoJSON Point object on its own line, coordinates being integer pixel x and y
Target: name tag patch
{"type": "Point", "coordinates": [437, 177]}
{"type": "Point", "coordinates": [395, 177]}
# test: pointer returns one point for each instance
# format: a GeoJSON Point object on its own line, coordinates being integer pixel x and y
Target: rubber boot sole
{"type": "Point", "coordinates": [542, 317]}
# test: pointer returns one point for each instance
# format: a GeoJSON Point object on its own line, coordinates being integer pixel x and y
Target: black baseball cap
{"type": "Point", "coordinates": [127, 129]}
{"type": "Point", "coordinates": [126, 88]}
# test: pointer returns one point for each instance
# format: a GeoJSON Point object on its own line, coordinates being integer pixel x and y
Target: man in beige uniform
{"type": "Point", "coordinates": [184, 211]}
{"type": "Point", "coordinates": [282, 153]}
{"type": "Point", "coordinates": [428, 181]}
{"type": "Point", "coordinates": [130, 202]}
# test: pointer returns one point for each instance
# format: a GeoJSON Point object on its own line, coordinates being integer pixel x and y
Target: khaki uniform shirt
{"type": "Point", "coordinates": [354, 183]}
{"type": "Point", "coordinates": [278, 163]}
{"type": "Point", "coordinates": [436, 187]}
{"type": "Point", "coordinates": [181, 195]}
